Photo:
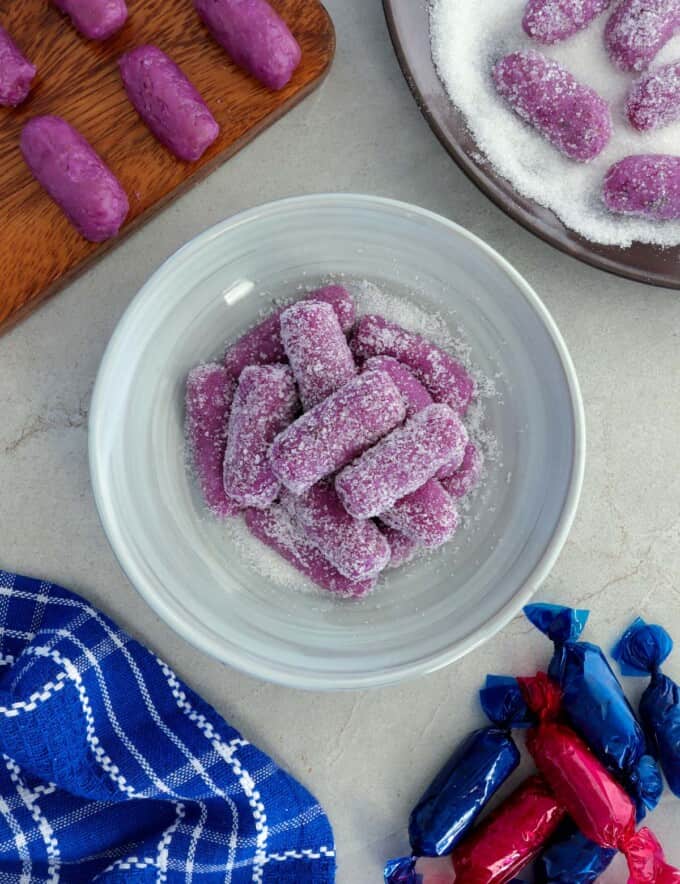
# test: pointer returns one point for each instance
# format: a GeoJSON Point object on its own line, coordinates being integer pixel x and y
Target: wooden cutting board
{"type": "Point", "coordinates": [78, 80]}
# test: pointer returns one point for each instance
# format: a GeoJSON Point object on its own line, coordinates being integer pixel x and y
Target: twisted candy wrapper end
{"type": "Point", "coordinates": [646, 862]}
{"type": "Point", "coordinates": [559, 623]}
{"type": "Point", "coordinates": [414, 870]}
{"type": "Point", "coordinates": [642, 649]}
{"type": "Point", "coordinates": [504, 704]}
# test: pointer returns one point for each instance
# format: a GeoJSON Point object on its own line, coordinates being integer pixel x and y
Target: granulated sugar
{"type": "Point", "coordinates": [468, 37]}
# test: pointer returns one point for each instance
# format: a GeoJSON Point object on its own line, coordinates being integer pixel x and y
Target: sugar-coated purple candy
{"type": "Point", "coordinates": [549, 21]}
{"type": "Point", "coordinates": [354, 546]}
{"type": "Point", "coordinates": [644, 185]}
{"type": "Point", "coordinates": [402, 548]}
{"type": "Point", "coordinates": [75, 177]}
{"type": "Point", "coordinates": [337, 430]}
{"type": "Point", "coordinates": [317, 350]}
{"type": "Point", "coordinates": [95, 19]}
{"type": "Point", "coordinates": [463, 480]}
{"type": "Point", "coordinates": [262, 345]}
{"type": "Point", "coordinates": [638, 29]}
{"type": "Point", "coordinates": [265, 403]}
{"type": "Point", "coordinates": [427, 515]}
{"type": "Point", "coordinates": [16, 72]}
{"type": "Point", "coordinates": [445, 378]}
{"type": "Point", "coordinates": [414, 393]}
{"type": "Point", "coordinates": [275, 528]}
{"type": "Point", "coordinates": [255, 37]}
{"type": "Point", "coordinates": [654, 100]}
{"type": "Point", "coordinates": [209, 394]}
{"type": "Point", "coordinates": [571, 116]}
{"type": "Point", "coordinates": [401, 462]}
{"type": "Point", "coordinates": [167, 102]}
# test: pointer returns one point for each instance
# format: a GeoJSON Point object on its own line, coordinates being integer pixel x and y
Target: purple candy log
{"type": "Point", "coordinates": [638, 29]}
{"type": "Point", "coordinates": [209, 394]}
{"type": "Point", "coordinates": [16, 72]}
{"type": "Point", "coordinates": [337, 430]}
{"type": "Point", "coordinates": [445, 378]}
{"type": "Point", "coordinates": [255, 36]}
{"type": "Point", "coordinates": [401, 462]}
{"type": "Point", "coordinates": [654, 100]}
{"type": "Point", "coordinates": [317, 350]}
{"type": "Point", "coordinates": [571, 116]}
{"type": "Point", "coordinates": [355, 547]}
{"type": "Point", "coordinates": [275, 528]}
{"type": "Point", "coordinates": [427, 515]}
{"type": "Point", "coordinates": [95, 19]}
{"type": "Point", "coordinates": [265, 403]}
{"type": "Point", "coordinates": [644, 185]}
{"type": "Point", "coordinates": [550, 21]}
{"type": "Point", "coordinates": [402, 548]}
{"type": "Point", "coordinates": [467, 476]}
{"type": "Point", "coordinates": [262, 344]}
{"type": "Point", "coordinates": [167, 102]}
{"type": "Point", "coordinates": [75, 177]}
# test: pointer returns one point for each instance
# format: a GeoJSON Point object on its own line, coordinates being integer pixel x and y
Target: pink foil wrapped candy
{"type": "Point", "coordinates": [401, 462]}
{"type": "Point", "coordinates": [262, 344]}
{"type": "Point", "coordinates": [467, 476]}
{"type": "Point", "coordinates": [255, 36]}
{"type": "Point", "coordinates": [355, 547]}
{"type": "Point", "coordinates": [317, 350]}
{"type": "Point", "coordinates": [275, 528]}
{"type": "Point", "coordinates": [16, 72]}
{"type": "Point", "coordinates": [265, 402]}
{"type": "Point", "coordinates": [428, 515]}
{"type": "Point", "coordinates": [549, 21]}
{"type": "Point", "coordinates": [445, 378]}
{"type": "Point", "coordinates": [75, 177]}
{"type": "Point", "coordinates": [167, 102]}
{"type": "Point", "coordinates": [654, 100]}
{"type": "Point", "coordinates": [95, 19]}
{"type": "Point", "coordinates": [571, 116]}
{"type": "Point", "coordinates": [209, 394]}
{"type": "Point", "coordinates": [638, 29]}
{"type": "Point", "coordinates": [645, 185]}
{"type": "Point", "coordinates": [402, 548]}
{"type": "Point", "coordinates": [337, 430]}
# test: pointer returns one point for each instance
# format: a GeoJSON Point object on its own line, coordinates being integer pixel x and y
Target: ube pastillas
{"type": "Point", "coordinates": [642, 650]}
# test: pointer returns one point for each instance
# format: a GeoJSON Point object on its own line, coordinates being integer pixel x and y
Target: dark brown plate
{"type": "Point", "coordinates": [408, 21]}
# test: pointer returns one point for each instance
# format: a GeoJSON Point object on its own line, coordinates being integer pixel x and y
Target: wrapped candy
{"type": "Point", "coordinates": [209, 394]}
{"type": "Point", "coordinates": [570, 115]}
{"type": "Point", "coordinates": [641, 651]}
{"type": "Point", "coordinates": [427, 515]}
{"type": "Point", "coordinates": [275, 529]}
{"type": "Point", "coordinates": [336, 431]}
{"type": "Point", "coordinates": [265, 403]}
{"type": "Point", "coordinates": [317, 350]}
{"type": "Point", "coordinates": [354, 546]}
{"type": "Point", "coordinates": [571, 858]}
{"type": "Point", "coordinates": [596, 803]}
{"type": "Point", "coordinates": [401, 462]}
{"type": "Point", "coordinates": [262, 344]}
{"type": "Point", "coordinates": [595, 704]}
{"type": "Point", "coordinates": [505, 843]}
{"type": "Point", "coordinates": [445, 378]}
{"type": "Point", "coordinates": [470, 778]}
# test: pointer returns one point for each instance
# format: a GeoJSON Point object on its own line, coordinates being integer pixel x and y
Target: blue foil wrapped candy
{"type": "Point", "coordinates": [470, 778]}
{"type": "Point", "coordinates": [596, 705]}
{"type": "Point", "coordinates": [642, 650]}
{"type": "Point", "coordinates": [572, 858]}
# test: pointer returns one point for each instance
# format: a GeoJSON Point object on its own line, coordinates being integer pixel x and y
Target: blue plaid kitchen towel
{"type": "Point", "coordinates": [113, 771]}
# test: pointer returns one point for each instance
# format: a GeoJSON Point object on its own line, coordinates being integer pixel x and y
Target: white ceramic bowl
{"type": "Point", "coordinates": [185, 565]}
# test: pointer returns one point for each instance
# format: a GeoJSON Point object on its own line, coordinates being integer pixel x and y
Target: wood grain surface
{"type": "Point", "coordinates": [78, 80]}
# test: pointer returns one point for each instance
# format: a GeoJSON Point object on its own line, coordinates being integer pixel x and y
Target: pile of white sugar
{"type": "Point", "coordinates": [468, 37]}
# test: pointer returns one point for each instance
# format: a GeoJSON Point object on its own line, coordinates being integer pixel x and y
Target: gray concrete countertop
{"type": "Point", "coordinates": [365, 755]}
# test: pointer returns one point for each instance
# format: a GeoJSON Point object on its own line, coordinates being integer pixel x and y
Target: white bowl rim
{"type": "Point", "coordinates": [195, 632]}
